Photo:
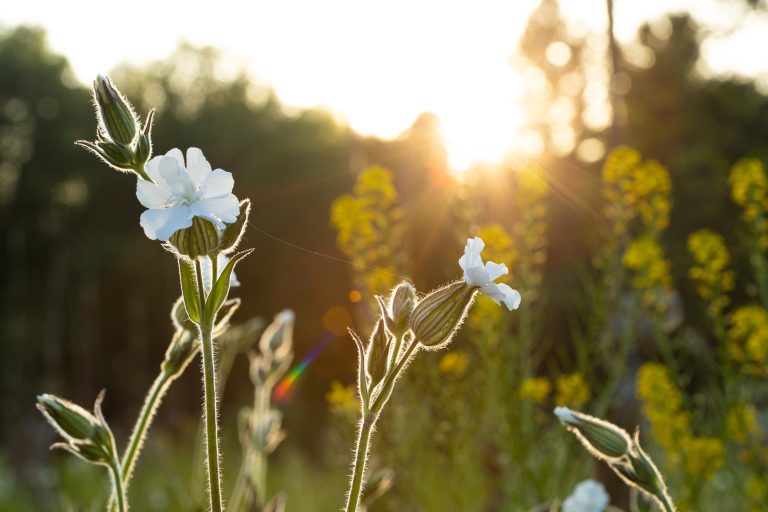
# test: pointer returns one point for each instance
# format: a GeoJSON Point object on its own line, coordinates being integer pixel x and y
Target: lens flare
{"type": "Point", "coordinates": [284, 388]}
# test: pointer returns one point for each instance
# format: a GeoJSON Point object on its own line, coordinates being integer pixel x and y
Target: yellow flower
{"type": "Point", "coordinates": [453, 363]}
{"type": "Point", "coordinates": [741, 423]}
{"type": "Point", "coordinates": [710, 270]}
{"type": "Point", "coordinates": [652, 276]}
{"type": "Point", "coordinates": [748, 336]}
{"type": "Point", "coordinates": [703, 456]}
{"type": "Point", "coordinates": [572, 391]}
{"type": "Point", "coordinates": [535, 389]}
{"type": "Point", "coordinates": [663, 406]}
{"type": "Point", "coordinates": [749, 187]}
{"type": "Point", "coordinates": [343, 399]}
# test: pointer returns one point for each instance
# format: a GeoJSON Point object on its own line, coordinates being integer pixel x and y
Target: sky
{"type": "Point", "coordinates": [376, 65]}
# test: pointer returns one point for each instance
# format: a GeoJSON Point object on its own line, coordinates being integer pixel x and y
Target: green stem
{"type": "Point", "coordinates": [386, 388]}
{"type": "Point", "coordinates": [667, 504]}
{"type": "Point", "coordinates": [211, 413]}
{"type": "Point", "coordinates": [151, 403]}
{"type": "Point", "coordinates": [361, 455]}
{"type": "Point", "coordinates": [117, 485]}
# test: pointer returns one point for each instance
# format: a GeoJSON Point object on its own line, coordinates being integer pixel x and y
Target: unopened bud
{"type": "Point", "coordinates": [144, 142]}
{"type": "Point", "coordinates": [437, 317]}
{"type": "Point", "coordinates": [277, 339]}
{"type": "Point", "coordinates": [116, 117]}
{"type": "Point", "coordinates": [200, 239]}
{"type": "Point", "coordinates": [86, 434]}
{"type": "Point", "coordinates": [402, 302]}
{"type": "Point", "coordinates": [181, 351]}
{"type": "Point", "coordinates": [376, 354]}
{"type": "Point", "coordinates": [605, 440]}
{"type": "Point", "coordinates": [233, 233]}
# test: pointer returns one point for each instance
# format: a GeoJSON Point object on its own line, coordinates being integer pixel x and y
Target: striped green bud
{"type": "Point", "coordinates": [200, 239]}
{"type": "Point", "coordinates": [377, 353]}
{"type": "Point", "coordinates": [605, 440]}
{"type": "Point", "coordinates": [438, 316]}
{"type": "Point", "coordinates": [117, 121]}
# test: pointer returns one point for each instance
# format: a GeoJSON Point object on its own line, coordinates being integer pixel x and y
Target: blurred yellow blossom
{"type": "Point", "coordinates": [749, 187]}
{"type": "Point", "coordinates": [710, 270]}
{"type": "Point", "coordinates": [369, 228]}
{"type": "Point", "coordinates": [663, 406]}
{"type": "Point", "coordinates": [453, 363]}
{"type": "Point", "coordinates": [748, 337]}
{"type": "Point", "coordinates": [572, 390]}
{"type": "Point", "coordinates": [535, 389]}
{"type": "Point", "coordinates": [703, 456]}
{"type": "Point", "coordinates": [652, 277]}
{"type": "Point", "coordinates": [741, 423]}
{"type": "Point", "coordinates": [343, 399]}
{"type": "Point", "coordinates": [530, 230]}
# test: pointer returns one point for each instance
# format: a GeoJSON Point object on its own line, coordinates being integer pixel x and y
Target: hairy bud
{"type": "Point", "coordinates": [233, 233]}
{"type": "Point", "coordinates": [377, 353]}
{"type": "Point", "coordinates": [117, 121]}
{"type": "Point", "coordinates": [605, 440]}
{"type": "Point", "coordinates": [402, 302]}
{"type": "Point", "coordinates": [200, 239]}
{"type": "Point", "coordinates": [277, 339]}
{"type": "Point", "coordinates": [437, 317]}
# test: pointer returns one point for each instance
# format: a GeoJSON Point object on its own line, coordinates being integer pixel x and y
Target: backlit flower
{"type": "Point", "coordinates": [483, 275]}
{"type": "Point", "coordinates": [180, 192]}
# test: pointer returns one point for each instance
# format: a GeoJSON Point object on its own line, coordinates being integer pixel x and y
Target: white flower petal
{"type": "Point", "coordinates": [176, 179]}
{"type": "Point", "coordinates": [476, 276]}
{"type": "Point", "coordinates": [162, 223]}
{"type": "Point", "coordinates": [219, 183]}
{"type": "Point", "coordinates": [207, 270]}
{"type": "Point", "coordinates": [495, 270]}
{"type": "Point", "coordinates": [153, 169]}
{"type": "Point", "coordinates": [151, 195]}
{"type": "Point", "coordinates": [502, 293]}
{"type": "Point", "coordinates": [198, 167]}
{"type": "Point", "coordinates": [472, 252]}
{"type": "Point", "coordinates": [565, 415]}
{"type": "Point", "coordinates": [177, 155]}
{"type": "Point", "coordinates": [217, 209]}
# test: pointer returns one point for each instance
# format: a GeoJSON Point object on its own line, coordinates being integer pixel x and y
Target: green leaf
{"type": "Point", "coordinates": [220, 288]}
{"type": "Point", "coordinates": [189, 289]}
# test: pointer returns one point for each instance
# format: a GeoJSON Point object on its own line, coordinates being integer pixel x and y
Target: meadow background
{"type": "Point", "coordinates": [616, 319]}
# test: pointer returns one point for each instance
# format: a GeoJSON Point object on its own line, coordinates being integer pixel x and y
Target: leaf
{"type": "Point", "coordinates": [189, 289]}
{"type": "Point", "coordinates": [220, 288]}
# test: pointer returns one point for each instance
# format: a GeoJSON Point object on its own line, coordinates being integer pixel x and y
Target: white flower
{"type": "Point", "coordinates": [207, 270]}
{"type": "Point", "coordinates": [565, 415]}
{"type": "Point", "coordinates": [180, 193]}
{"type": "Point", "coordinates": [588, 496]}
{"type": "Point", "coordinates": [483, 276]}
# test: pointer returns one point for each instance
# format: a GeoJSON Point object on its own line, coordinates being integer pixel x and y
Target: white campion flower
{"type": "Point", "coordinates": [588, 496]}
{"type": "Point", "coordinates": [207, 270]}
{"type": "Point", "coordinates": [483, 275]}
{"type": "Point", "coordinates": [181, 192]}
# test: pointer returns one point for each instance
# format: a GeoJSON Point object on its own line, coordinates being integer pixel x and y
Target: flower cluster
{"type": "Point", "coordinates": [710, 270]}
{"type": "Point", "coordinates": [572, 390]}
{"type": "Point", "coordinates": [369, 227]}
{"type": "Point", "coordinates": [741, 423]}
{"type": "Point", "coordinates": [749, 187]}
{"type": "Point", "coordinates": [530, 231]}
{"type": "Point", "coordinates": [535, 389]}
{"type": "Point", "coordinates": [652, 271]}
{"type": "Point", "coordinates": [748, 337]}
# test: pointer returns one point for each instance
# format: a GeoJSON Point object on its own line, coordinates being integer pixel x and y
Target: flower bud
{"type": "Point", "coordinates": [605, 440]}
{"type": "Point", "coordinates": [233, 233]}
{"type": "Point", "coordinates": [200, 239]}
{"type": "Point", "coordinates": [402, 302]}
{"type": "Point", "coordinates": [377, 353]}
{"type": "Point", "coordinates": [438, 316]}
{"type": "Point", "coordinates": [181, 351]}
{"type": "Point", "coordinates": [144, 142]}
{"type": "Point", "coordinates": [86, 434]}
{"type": "Point", "coordinates": [277, 339]}
{"type": "Point", "coordinates": [117, 121]}
{"type": "Point", "coordinates": [180, 318]}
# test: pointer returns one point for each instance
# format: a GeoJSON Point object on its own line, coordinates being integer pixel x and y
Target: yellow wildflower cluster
{"type": "Point", "coordinates": [572, 390]}
{"type": "Point", "coordinates": [634, 189]}
{"type": "Point", "coordinates": [757, 490]}
{"type": "Point", "coordinates": [343, 399]}
{"type": "Point", "coordinates": [531, 227]}
{"type": "Point", "coordinates": [453, 363]}
{"type": "Point", "coordinates": [535, 389]}
{"type": "Point", "coordinates": [710, 270]}
{"type": "Point", "coordinates": [671, 424]}
{"type": "Point", "coordinates": [663, 406]}
{"type": "Point", "coordinates": [749, 187]}
{"type": "Point", "coordinates": [500, 248]}
{"type": "Point", "coordinates": [741, 423]}
{"type": "Point", "coordinates": [652, 277]}
{"type": "Point", "coordinates": [369, 227]}
{"type": "Point", "coordinates": [748, 337]}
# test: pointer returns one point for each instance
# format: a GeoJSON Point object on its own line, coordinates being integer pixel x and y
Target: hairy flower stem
{"type": "Point", "coordinates": [361, 456]}
{"type": "Point", "coordinates": [209, 385]}
{"type": "Point", "coordinates": [117, 485]}
{"type": "Point", "coordinates": [151, 403]}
